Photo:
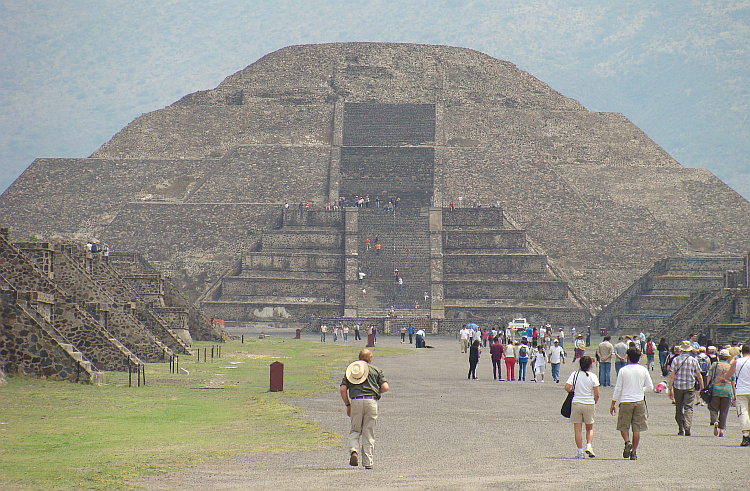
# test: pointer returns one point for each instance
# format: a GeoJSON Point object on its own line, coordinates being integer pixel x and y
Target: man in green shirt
{"type": "Point", "coordinates": [360, 390]}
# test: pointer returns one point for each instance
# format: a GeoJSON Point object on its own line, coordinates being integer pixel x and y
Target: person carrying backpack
{"type": "Point", "coordinates": [523, 360]}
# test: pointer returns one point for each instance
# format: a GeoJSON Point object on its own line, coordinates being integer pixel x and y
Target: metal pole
{"type": "Point", "coordinates": [130, 375]}
{"type": "Point", "coordinates": [177, 364]}
{"type": "Point", "coordinates": [212, 354]}
{"type": "Point", "coordinates": [144, 375]}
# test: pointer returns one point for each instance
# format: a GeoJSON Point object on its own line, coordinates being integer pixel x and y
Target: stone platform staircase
{"type": "Point", "coordinates": [492, 272]}
{"type": "Point", "coordinates": [296, 275]}
{"type": "Point", "coordinates": [31, 344]}
{"type": "Point", "coordinates": [676, 296]}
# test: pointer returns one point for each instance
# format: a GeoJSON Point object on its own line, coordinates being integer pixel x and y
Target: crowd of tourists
{"type": "Point", "coordinates": [694, 372]}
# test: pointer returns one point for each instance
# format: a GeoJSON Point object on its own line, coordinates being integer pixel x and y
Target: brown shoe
{"type": "Point", "coordinates": [353, 459]}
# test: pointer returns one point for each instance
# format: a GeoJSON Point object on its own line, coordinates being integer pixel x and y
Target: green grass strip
{"type": "Point", "coordinates": [59, 435]}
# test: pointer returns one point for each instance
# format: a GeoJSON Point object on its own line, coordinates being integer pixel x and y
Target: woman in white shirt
{"type": "Point", "coordinates": [585, 385]}
{"type": "Point", "coordinates": [510, 361]}
{"type": "Point", "coordinates": [740, 368]}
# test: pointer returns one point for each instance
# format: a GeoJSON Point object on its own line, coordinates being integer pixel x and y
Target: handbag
{"type": "Point", "coordinates": [707, 393]}
{"type": "Point", "coordinates": [567, 405]}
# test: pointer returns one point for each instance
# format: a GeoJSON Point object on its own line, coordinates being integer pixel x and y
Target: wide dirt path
{"type": "Point", "coordinates": [438, 430]}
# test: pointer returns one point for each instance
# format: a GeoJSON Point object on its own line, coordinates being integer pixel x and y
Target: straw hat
{"type": "Point", "coordinates": [724, 354]}
{"type": "Point", "coordinates": [357, 372]}
{"type": "Point", "coordinates": [685, 346]}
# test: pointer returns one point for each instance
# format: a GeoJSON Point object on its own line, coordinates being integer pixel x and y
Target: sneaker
{"type": "Point", "coordinates": [580, 455]}
{"type": "Point", "coordinates": [745, 441]}
{"type": "Point", "coordinates": [687, 432]}
{"type": "Point", "coordinates": [681, 432]}
{"type": "Point", "coordinates": [626, 451]}
{"type": "Point", "coordinates": [353, 459]}
{"type": "Point", "coordinates": [590, 453]}
{"type": "Point", "coordinates": [633, 456]}
{"type": "Point", "coordinates": [368, 467]}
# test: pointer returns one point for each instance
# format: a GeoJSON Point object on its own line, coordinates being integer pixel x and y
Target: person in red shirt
{"type": "Point", "coordinates": [496, 352]}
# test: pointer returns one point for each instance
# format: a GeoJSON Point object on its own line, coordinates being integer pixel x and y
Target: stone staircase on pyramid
{"type": "Point", "coordinates": [678, 295]}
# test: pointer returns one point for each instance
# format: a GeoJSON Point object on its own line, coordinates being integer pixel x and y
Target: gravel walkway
{"type": "Point", "coordinates": [438, 430]}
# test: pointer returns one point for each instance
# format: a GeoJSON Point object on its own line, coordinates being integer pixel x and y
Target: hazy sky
{"type": "Point", "coordinates": [72, 74]}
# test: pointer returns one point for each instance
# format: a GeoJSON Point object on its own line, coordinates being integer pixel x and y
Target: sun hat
{"type": "Point", "coordinates": [357, 372]}
{"type": "Point", "coordinates": [685, 346]}
{"type": "Point", "coordinates": [724, 354]}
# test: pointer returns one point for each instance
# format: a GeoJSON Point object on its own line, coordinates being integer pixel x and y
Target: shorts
{"type": "Point", "coordinates": [632, 414]}
{"type": "Point", "coordinates": [582, 413]}
{"type": "Point", "coordinates": [539, 369]}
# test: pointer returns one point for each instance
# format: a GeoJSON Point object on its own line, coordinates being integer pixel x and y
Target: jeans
{"type": "Point", "coordinates": [619, 365]}
{"type": "Point", "coordinates": [356, 335]}
{"type": "Point", "coordinates": [496, 370]}
{"type": "Point", "coordinates": [555, 371]}
{"type": "Point", "coordinates": [346, 336]}
{"type": "Point", "coordinates": [322, 337]}
{"type": "Point", "coordinates": [410, 337]}
{"type": "Point", "coordinates": [605, 367]}
{"type": "Point", "coordinates": [663, 358]}
{"type": "Point", "coordinates": [522, 368]}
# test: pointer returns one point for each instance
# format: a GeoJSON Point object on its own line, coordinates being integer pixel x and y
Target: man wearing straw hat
{"type": "Point", "coordinates": [685, 371]}
{"type": "Point", "coordinates": [360, 390]}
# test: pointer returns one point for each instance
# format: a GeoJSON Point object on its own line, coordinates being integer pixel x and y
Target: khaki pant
{"type": "Point", "coordinates": [743, 406]}
{"type": "Point", "coordinates": [683, 408]}
{"type": "Point", "coordinates": [464, 345]}
{"type": "Point", "coordinates": [362, 433]}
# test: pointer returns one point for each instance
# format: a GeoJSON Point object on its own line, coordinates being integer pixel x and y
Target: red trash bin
{"type": "Point", "coordinates": [277, 377]}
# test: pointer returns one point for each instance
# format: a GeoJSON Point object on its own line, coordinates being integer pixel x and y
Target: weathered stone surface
{"type": "Point", "coordinates": [193, 186]}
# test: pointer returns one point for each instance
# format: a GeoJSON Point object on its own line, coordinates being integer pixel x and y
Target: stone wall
{"type": "Point", "coordinates": [458, 264]}
{"type": "Point", "coordinates": [488, 240]}
{"type": "Point", "coordinates": [27, 345]}
{"type": "Point", "coordinates": [294, 217]}
{"type": "Point", "coordinates": [268, 174]}
{"type": "Point", "coordinates": [292, 261]}
{"type": "Point", "coordinates": [277, 310]}
{"type": "Point", "coordinates": [472, 218]}
{"type": "Point", "coordinates": [536, 290]}
{"type": "Point", "coordinates": [302, 239]}
{"type": "Point", "coordinates": [180, 131]}
{"type": "Point", "coordinates": [92, 191]}
{"type": "Point", "coordinates": [388, 125]}
{"type": "Point", "coordinates": [233, 288]}
{"type": "Point", "coordinates": [388, 172]}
